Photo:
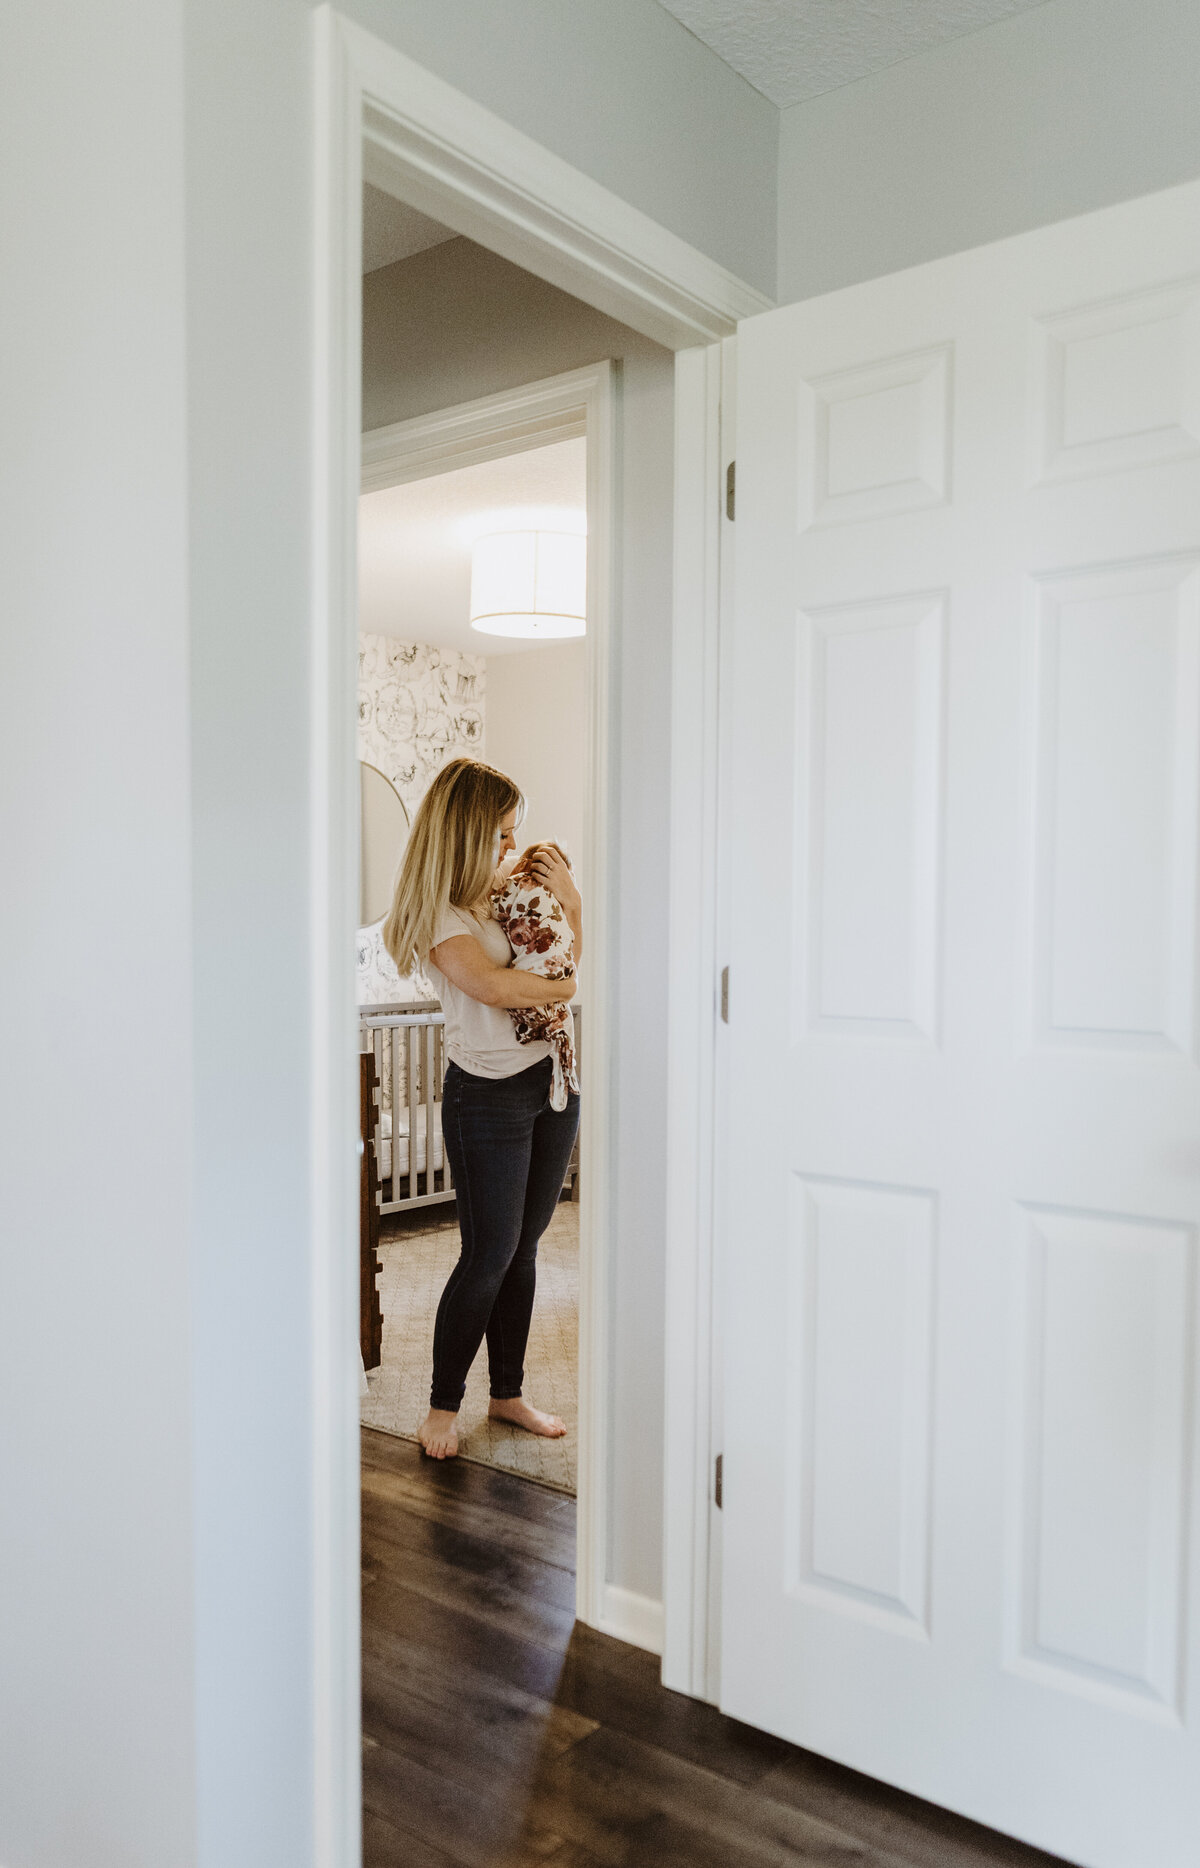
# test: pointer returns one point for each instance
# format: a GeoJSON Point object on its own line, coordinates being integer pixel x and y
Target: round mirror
{"type": "Point", "coordinates": [384, 823]}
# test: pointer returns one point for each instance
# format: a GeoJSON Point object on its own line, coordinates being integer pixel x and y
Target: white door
{"type": "Point", "coordinates": [961, 1549]}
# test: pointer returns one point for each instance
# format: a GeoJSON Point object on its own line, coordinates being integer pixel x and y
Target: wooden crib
{"type": "Point", "coordinates": [409, 1046]}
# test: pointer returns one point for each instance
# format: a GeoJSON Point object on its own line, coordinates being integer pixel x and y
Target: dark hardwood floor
{"type": "Point", "coordinates": [498, 1734]}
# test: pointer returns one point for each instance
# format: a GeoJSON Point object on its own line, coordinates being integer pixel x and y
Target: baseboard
{"type": "Point", "coordinates": [633, 1618]}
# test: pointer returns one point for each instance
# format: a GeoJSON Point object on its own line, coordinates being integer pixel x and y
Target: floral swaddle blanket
{"type": "Point", "coordinates": [540, 936]}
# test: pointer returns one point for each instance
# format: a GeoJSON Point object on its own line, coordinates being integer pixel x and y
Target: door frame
{"type": "Point", "coordinates": [380, 116]}
{"type": "Point", "coordinates": [559, 408]}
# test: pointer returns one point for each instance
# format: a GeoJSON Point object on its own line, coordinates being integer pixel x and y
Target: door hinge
{"type": "Point", "coordinates": [719, 1482]}
{"type": "Point", "coordinates": [725, 995]}
{"type": "Point", "coordinates": [730, 489]}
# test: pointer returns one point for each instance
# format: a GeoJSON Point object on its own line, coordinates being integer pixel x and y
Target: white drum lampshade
{"type": "Point", "coordinates": [529, 584]}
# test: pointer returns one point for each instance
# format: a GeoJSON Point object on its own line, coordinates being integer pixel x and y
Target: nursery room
{"type": "Point", "coordinates": [472, 611]}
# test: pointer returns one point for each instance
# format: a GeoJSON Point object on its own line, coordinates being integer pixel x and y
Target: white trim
{"type": "Point", "coordinates": [554, 409]}
{"type": "Point", "coordinates": [336, 1685]}
{"type": "Point", "coordinates": [692, 1014]}
{"type": "Point", "coordinates": [578, 402]}
{"type": "Point", "coordinates": [595, 1149]}
{"type": "Point", "coordinates": [448, 156]}
{"type": "Point", "coordinates": [633, 1618]}
{"type": "Point", "coordinates": [712, 1381]}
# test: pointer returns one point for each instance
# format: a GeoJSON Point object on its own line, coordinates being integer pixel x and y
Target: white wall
{"type": "Point", "coordinates": [537, 730]}
{"type": "Point", "coordinates": [1068, 107]}
{"type": "Point", "coordinates": [142, 1395]}
{"type": "Point", "coordinates": [116, 1749]}
{"type": "Point", "coordinates": [96, 1650]}
{"type": "Point", "coordinates": [248, 104]}
{"type": "Point", "coordinates": [442, 327]}
{"type": "Point", "coordinates": [624, 92]}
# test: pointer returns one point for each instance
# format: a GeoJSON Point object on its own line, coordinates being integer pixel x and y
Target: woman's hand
{"type": "Point", "coordinates": [547, 865]}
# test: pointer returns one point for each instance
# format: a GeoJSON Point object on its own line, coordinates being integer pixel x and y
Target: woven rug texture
{"type": "Point", "coordinates": [415, 1268]}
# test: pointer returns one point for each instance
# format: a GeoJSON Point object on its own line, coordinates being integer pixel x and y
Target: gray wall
{"type": "Point", "coordinates": [1068, 107]}
{"type": "Point", "coordinates": [157, 1613]}
{"type": "Point", "coordinates": [624, 92]}
{"type": "Point", "coordinates": [457, 322]}
{"type": "Point", "coordinates": [96, 1650]}
{"type": "Point", "coordinates": [249, 372]}
{"type": "Point", "coordinates": [155, 1458]}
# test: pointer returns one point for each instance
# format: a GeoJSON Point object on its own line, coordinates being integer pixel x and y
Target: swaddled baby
{"type": "Point", "coordinates": [542, 942]}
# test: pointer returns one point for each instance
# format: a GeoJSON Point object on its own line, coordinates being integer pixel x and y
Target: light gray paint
{"type": "Point", "coordinates": [626, 94]}
{"type": "Point", "coordinates": [447, 326]}
{"type": "Point", "coordinates": [456, 322]}
{"type": "Point", "coordinates": [98, 1328]}
{"type": "Point", "coordinates": [799, 48]}
{"type": "Point", "coordinates": [156, 1455]}
{"type": "Point", "coordinates": [249, 66]}
{"type": "Point", "coordinates": [96, 1654]}
{"type": "Point", "coordinates": [392, 230]}
{"type": "Point", "coordinates": [1071, 107]}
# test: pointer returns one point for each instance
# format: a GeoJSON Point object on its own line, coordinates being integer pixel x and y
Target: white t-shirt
{"type": "Point", "coordinates": [480, 1038]}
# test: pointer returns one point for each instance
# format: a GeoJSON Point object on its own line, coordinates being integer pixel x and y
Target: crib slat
{"type": "Point", "coordinates": [412, 1091]}
{"type": "Point", "coordinates": [428, 1112]}
{"type": "Point", "coordinates": [395, 1050]}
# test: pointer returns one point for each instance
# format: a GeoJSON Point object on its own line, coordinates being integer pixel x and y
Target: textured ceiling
{"type": "Point", "coordinates": [793, 49]}
{"type": "Point", "coordinates": [393, 231]}
{"type": "Point", "coordinates": [414, 541]}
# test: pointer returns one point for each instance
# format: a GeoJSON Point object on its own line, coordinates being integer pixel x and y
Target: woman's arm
{"type": "Point", "coordinates": [547, 864]}
{"type": "Point", "coordinates": [466, 965]}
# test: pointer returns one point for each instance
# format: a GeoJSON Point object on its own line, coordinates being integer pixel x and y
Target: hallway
{"type": "Point", "coordinates": [498, 1734]}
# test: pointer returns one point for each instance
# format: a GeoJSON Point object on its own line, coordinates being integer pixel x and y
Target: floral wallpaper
{"type": "Point", "coordinates": [417, 707]}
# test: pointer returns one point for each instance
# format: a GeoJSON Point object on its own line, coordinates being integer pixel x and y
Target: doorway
{"type": "Point", "coordinates": [457, 316]}
{"type": "Point", "coordinates": [432, 687]}
{"type": "Point", "coordinates": [428, 146]}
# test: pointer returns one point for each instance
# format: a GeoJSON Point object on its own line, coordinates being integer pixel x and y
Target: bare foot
{"type": "Point", "coordinates": [438, 1433]}
{"type": "Point", "coordinates": [518, 1413]}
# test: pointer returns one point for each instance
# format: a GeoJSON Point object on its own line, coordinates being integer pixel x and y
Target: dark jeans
{"type": "Point", "coordinates": [508, 1152]}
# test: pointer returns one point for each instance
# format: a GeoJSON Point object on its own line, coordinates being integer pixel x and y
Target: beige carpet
{"type": "Point", "coordinates": [415, 1268]}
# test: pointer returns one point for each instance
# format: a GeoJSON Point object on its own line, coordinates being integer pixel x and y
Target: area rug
{"type": "Point", "coordinates": [415, 1268]}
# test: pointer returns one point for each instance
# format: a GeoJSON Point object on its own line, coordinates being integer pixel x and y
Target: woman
{"type": "Point", "coordinates": [507, 1148]}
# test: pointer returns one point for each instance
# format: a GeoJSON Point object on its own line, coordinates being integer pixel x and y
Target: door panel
{"type": "Point", "coordinates": [960, 1539]}
{"type": "Point", "coordinates": [861, 1317]}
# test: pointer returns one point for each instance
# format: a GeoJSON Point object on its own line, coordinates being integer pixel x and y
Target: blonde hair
{"type": "Point", "coordinates": [450, 856]}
